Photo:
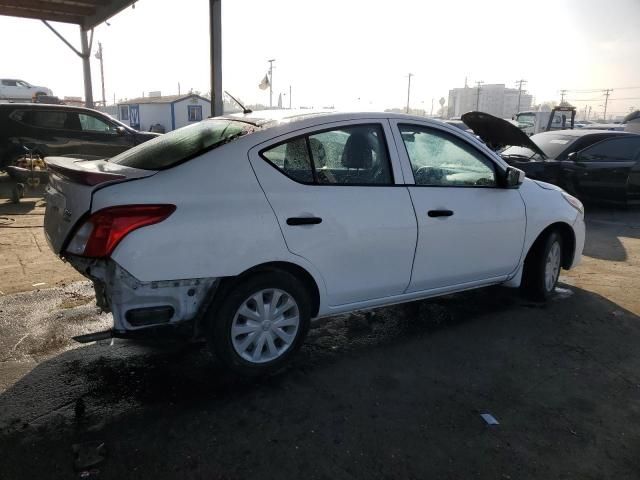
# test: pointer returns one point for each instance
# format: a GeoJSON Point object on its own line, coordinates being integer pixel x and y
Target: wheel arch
{"type": "Point", "coordinates": [568, 237]}
{"type": "Point", "coordinates": [227, 284]}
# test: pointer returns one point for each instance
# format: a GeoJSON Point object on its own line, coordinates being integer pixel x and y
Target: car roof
{"type": "Point", "coordinates": [47, 106]}
{"type": "Point", "coordinates": [581, 132]}
{"type": "Point", "coordinates": [268, 118]}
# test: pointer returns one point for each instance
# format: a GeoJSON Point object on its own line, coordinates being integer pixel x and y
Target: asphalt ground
{"type": "Point", "coordinates": [397, 393]}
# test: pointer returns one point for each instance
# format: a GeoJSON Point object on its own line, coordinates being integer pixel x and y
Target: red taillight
{"type": "Point", "coordinates": [101, 233]}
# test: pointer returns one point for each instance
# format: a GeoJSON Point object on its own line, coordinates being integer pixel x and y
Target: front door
{"type": "Point", "coordinates": [338, 206]}
{"type": "Point", "coordinates": [601, 171]}
{"type": "Point", "coordinates": [469, 229]}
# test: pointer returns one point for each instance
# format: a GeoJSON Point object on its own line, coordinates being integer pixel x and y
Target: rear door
{"type": "Point", "coordinates": [470, 230]}
{"type": "Point", "coordinates": [601, 171]}
{"type": "Point", "coordinates": [338, 196]}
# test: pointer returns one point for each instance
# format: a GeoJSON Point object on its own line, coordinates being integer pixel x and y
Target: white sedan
{"type": "Point", "coordinates": [242, 229]}
{"type": "Point", "coordinates": [14, 89]}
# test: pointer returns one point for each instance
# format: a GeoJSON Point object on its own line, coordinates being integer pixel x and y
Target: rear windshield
{"type": "Point", "coordinates": [182, 144]}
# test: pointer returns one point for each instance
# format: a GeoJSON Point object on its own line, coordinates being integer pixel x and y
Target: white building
{"type": "Point", "coordinates": [169, 112]}
{"type": "Point", "coordinates": [494, 99]}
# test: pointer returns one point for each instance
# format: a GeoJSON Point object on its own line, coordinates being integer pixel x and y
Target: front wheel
{"type": "Point", "coordinates": [542, 267]}
{"type": "Point", "coordinates": [261, 323]}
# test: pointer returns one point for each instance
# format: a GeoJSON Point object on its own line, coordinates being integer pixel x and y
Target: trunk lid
{"type": "Point", "coordinates": [496, 132]}
{"type": "Point", "coordinates": [69, 193]}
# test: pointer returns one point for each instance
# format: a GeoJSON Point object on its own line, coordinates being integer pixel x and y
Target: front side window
{"type": "Point", "coordinates": [89, 123]}
{"type": "Point", "coordinates": [441, 160]}
{"type": "Point", "coordinates": [194, 112]}
{"type": "Point", "coordinates": [124, 112]}
{"type": "Point", "coordinates": [9, 83]}
{"type": "Point", "coordinates": [344, 156]}
{"type": "Point", "coordinates": [617, 149]}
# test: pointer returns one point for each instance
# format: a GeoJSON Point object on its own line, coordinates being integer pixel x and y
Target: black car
{"type": "Point", "coordinates": [594, 165]}
{"type": "Point", "coordinates": [60, 130]}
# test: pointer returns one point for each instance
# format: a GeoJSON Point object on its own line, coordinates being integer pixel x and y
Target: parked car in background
{"type": "Point", "coordinates": [62, 131]}
{"type": "Point", "coordinates": [14, 89]}
{"type": "Point", "coordinates": [594, 165]}
{"type": "Point", "coordinates": [241, 229]}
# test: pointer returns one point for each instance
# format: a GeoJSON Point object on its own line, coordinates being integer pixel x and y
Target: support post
{"type": "Point", "coordinates": [86, 68]}
{"type": "Point", "coordinates": [215, 36]}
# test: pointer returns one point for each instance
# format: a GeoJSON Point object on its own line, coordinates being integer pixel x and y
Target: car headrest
{"type": "Point", "coordinates": [357, 152]}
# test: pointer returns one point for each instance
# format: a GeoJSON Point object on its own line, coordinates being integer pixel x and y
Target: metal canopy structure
{"type": "Point", "coordinates": [90, 13]}
{"type": "Point", "coordinates": [86, 13]}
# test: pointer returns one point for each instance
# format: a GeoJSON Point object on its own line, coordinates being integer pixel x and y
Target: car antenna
{"type": "Point", "coordinates": [245, 110]}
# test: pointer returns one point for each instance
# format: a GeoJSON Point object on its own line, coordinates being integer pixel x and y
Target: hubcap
{"type": "Point", "coordinates": [552, 267]}
{"type": "Point", "coordinates": [265, 325]}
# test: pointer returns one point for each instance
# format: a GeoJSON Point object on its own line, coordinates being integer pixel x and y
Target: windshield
{"type": "Point", "coordinates": [552, 146]}
{"type": "Point", "coordinates": [528, 119]}
{"type": "Point", "coordinates": [182, 144]}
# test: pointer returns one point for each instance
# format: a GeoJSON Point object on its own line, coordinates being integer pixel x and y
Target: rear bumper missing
{"type": "Point", "coordinates": [137, 305]}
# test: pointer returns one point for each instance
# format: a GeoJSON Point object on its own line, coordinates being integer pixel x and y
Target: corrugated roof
{"type": "Point", "coordinates": [163, 99]}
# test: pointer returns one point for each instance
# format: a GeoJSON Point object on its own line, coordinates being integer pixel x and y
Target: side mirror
{"type": "Point", "coordinates": [514, 177]}
{"type": "Point", "coordinates": [573, 156]}
{"type": "Point", "coordinates": [121, 130]}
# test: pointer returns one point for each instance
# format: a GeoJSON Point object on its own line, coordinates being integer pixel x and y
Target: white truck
{"type": "Point", "coordinates": [545, 119]}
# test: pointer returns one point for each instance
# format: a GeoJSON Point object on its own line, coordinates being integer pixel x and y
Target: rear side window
{"type": "Point", "coordinates": [345, 156]}
{"type": "Point", "coordinates": [183, 144]}
{"type": "Point", "coordinates": [51, 119]}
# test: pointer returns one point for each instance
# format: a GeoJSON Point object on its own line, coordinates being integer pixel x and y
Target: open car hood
{"type": "Point", "coordinates": [498, 133]}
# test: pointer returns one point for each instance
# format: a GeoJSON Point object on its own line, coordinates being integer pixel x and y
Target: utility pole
{"type": "Point", "coordinates": [289, 97]}
{"type": "Point", "coordinates": [589, 112]}
{"type": "Point", "coordinates": [478, 85]}
{"type": "Point", "coordinates": [271, 81]}
{"type": "Point", "coordinates": [520, 83]}
{"type": "Point", "coordinates": [607, 92]}
{"type": "Point", "coordinates": [562, 95]}
{"type": "Point", "coordinates": [409, 91]}
{"type": "Point", "coordinates": [99, 57]}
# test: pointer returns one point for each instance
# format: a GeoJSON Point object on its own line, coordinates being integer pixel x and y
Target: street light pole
{"type": "Point", "coordinates": [271, 81]}
{"type": "Point", "coordinates": [409, 91]}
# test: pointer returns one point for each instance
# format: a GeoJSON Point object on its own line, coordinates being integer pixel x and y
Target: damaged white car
{"type": "Point", "coordinates": [243, 229]}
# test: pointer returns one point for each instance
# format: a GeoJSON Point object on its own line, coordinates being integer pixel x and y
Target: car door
{"type": "Point", "coordinates": [10, 89]}
{"type": "Point", "coordinates": [601, 171]}
{"type": "Point", "coordinates": [101, 136]}
{"type": "Point", "coordinates": [470, 230]}
{"type": "Point", "coordinates": [334, 193]}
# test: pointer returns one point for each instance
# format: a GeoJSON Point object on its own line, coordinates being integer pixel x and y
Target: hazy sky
{"type": "Point", "coordinates": [336, 52]}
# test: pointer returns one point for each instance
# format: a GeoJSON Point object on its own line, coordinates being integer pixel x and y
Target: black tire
{"type": "Point", "coordinates": [220, 320]}
{"type": "Point", "coordinates": [534, 279]}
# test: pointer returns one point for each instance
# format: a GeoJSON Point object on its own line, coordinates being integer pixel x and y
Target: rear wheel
{"type": "Point", "coordinates": [260, 323]}
{"type": "Point", "coordinates": [542, 267]}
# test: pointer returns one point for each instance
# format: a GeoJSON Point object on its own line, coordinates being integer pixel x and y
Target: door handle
{"type": "Point", "coordinates": [293, 221]}
{"type": "Point", "coordinates": [440, 213]}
